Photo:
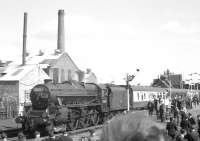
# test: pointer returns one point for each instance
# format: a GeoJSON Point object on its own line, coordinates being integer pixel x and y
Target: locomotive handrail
{"type": "Point", "coordinates": [80, 105]}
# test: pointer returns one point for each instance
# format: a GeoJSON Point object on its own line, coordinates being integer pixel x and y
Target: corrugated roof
{"type": "Point", "coordinates": [17, 72]}
{"type": "Point", "coordinates": [39, 59]}
{"type": "Point", "coordinates": [50, 62]}
{"type": "Point", "coordinates": [49, 59]}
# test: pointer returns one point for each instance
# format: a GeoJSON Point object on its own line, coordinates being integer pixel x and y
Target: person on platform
{"type": "Point", "coordinates": [181, 136]}
{"type": "Point", "coordinates": [162, 111]}
{"type": "Point", "coordinates": [37, 136]}
{"type": "Point", "coordinates": [177, 115]}
{"type": "Point", "coordinates": [92, 136]}
{"type": "Point", "coordinates": [191, 119]}
{"type": "Point", "coordinates": [185, 124]}
{"type": "Point", "coordinates": [179, 103]}
{"type": "Point", "coordinates": [172, 128]}
{"type": "Point", "coordinates": [21, 136]}
{"type": "Point", "coordinates": [4, 136]}
{"type": "Point", "coordinates": [64, 137]}
{"type": "Point", "coordinates": [150, 107]}
{"type": "Point", "coordinates": [198, 123]}
{"type": "Point", "coordinates": [156, 105]}
{"type": "Point", "coordinates": [133, 127]}
{"type": "Point", "coordinates": [192, 135]}
{"type": "Point", "coordinates": [51, 136]}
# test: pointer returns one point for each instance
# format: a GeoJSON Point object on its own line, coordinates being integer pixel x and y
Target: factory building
{"type": "Point", "coordinates": [16, 80]}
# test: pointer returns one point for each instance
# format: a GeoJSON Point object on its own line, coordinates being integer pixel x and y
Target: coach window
{"type": "Point", "coordinates": [138, 95]}
{"type": "Point", "coordinates": [144, 96]}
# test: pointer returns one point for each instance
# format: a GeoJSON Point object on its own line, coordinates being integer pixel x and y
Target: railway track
{"type": "Point", "coordinates": [12, 134]}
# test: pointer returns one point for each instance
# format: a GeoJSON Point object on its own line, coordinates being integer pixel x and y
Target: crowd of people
{"type": "Point", "coordinates": [181, 125]}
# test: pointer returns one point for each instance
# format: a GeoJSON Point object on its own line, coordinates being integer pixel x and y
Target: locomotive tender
{"type": "Point", "coordinates": [73, 105]}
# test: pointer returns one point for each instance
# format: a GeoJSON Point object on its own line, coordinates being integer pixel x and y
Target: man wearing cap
{"type": "Point", "coordinates": [162, 110]}
{"type": "Point", "coordinates": [64, 137]}
{"type": "Point", "coordinates": [21, 136]}
{"type": "Point", "coordinates": [4, 136]}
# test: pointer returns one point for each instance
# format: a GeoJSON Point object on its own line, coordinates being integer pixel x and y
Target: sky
{"type": "Point", "coordinates": [112, 37]}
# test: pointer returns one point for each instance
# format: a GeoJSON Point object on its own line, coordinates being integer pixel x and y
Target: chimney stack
{"type": "Point", "coordinates": [24, 39]}
{"type": "Point", "coordinates": [61, 31]}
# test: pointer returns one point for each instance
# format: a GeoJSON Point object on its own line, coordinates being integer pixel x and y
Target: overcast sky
{"type": "Point", "coordinates": [112, 37]}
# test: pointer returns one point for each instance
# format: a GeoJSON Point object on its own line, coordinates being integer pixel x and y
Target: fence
{"type": "Point", "coordinates": [8, 107]}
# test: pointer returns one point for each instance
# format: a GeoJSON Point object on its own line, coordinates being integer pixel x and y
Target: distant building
{"type": "Point", "coordinates": [168, 79]}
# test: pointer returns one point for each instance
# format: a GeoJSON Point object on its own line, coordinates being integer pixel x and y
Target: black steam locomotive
{"type": "Point", "coordinates": [72, 105]}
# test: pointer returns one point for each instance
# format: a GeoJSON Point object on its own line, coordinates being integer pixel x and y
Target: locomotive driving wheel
{"type": "Point", "coordinates": [73, 125]}
{"type": "Point", "coordinates": [95, 119]}
{"type": "Point", "coordinates": [82, 123]}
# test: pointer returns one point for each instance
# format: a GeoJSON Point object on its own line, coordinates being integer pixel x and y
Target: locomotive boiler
{"type": "Point", "coordinates": [72, 105]}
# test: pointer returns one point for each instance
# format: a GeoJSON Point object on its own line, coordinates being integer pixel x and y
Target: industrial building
{"type": "Point", "coordinates": [16, 80]}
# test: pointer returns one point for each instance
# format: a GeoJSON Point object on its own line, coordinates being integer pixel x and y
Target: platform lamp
{"type": "Point", "coordinates": [128, 79]}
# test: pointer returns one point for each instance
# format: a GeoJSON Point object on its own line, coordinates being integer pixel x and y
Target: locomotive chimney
{"type": "Point", "coordinates": [24, 39]}
{"type": "Point", "coordinates": [61, 31]}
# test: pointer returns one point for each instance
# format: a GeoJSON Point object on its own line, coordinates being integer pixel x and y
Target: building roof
{"type": "Point", "coordinates": [38, 59]}
{"type": "Point", "coordinates": [48, 59]}
{"type": "Point", "coordinates": [17, 72]}
{"type": "Point", "coordinates": [14, 71]}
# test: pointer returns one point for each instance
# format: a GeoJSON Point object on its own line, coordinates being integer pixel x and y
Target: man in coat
{"type": "Point", "coordinates": [171, 128]}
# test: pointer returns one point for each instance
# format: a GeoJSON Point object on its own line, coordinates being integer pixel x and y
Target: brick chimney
{"type": "Point", "coordinates": [61, 31]}
{"type": "Point", "coordinates": [24, 39]}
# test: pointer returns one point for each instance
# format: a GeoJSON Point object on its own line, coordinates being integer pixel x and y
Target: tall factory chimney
{"type": "Point", "coordinates": [24, 39]}
{"type": "Point", "coordinates": [61, 31]}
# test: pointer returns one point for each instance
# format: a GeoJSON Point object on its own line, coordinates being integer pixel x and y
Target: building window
{"type": "Point", "coordinates": [144, 95]}
{"type": "Point", "coordinates": [138, 95]}
{"type": "Point", "coordinates": [62, 75]}
{"type": "Point", "coordinates": [27, 96]}
{"type": "Point", "coordinates": [55, 75]}
{"type": "Point", "coordinates": [69, 75]}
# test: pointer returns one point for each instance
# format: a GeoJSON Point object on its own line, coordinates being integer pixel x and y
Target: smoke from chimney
{"type": "Point", "coordinates": [24, 39]}
{"type": "Point", "coordinates": [61, 31]}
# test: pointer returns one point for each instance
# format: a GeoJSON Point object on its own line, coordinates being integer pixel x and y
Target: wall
{"type": "Point", "coordinates": [9, 87]}
{"type": "Point", "coordinates": [66, 69]}
{"type": "Point", "coordinates": [9, 90]}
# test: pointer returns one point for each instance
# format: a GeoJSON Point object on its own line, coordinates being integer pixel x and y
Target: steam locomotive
{"type": "Point", "coordinates": [73, 105]}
